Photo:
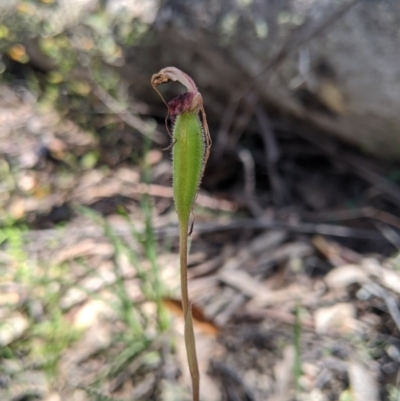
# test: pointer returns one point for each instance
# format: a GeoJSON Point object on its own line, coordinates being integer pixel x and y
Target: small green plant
{"type": "Point", "coordinates": [136, 341]}
{"type": "Point", "coordinates": [53, 336]}
{"type": "Point", "coordinates": [191, 144]}
{"type": "Point", "coordinates": [393, 393]}
{"type": "Point", "coordinates": [45, 340]}
{"type": "Point", "coordinates": [297, 348]}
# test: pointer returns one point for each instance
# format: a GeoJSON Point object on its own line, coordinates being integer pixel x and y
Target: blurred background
{"type": "Point", "coordinates": [294, 263]}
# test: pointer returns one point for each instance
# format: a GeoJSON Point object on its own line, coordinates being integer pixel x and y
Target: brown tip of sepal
{"type": "Point", "coordinates": [174, 74]}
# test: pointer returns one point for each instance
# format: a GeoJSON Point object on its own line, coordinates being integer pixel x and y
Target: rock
{"type": "Point", "coordinates": [363, 384]}
{"type": "Point", "coordinates": [53, 397]}
{"type": "Point", "coordinates": [13, 328]}
{"type": "Point", "coordinates": [339, 319]}
{"type": "Point", "coordinates": [92, 314]}
{"type": "Point", "coordinates": [28, 384]}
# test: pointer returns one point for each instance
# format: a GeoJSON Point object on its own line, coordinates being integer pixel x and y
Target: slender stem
{"type": "Point", "coordinates": [187, 312]}
{"type": "Point", "coordinates": [183, 253]}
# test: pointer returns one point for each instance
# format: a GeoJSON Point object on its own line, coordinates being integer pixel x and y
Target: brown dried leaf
{"type": "Point", "coordinates": [199, 319]}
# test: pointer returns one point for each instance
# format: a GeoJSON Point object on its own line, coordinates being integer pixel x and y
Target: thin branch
{"type": "Point", "coordinates": [364, 212]}
{"type": "Point", "coordinates": [390, 302]}
{"type": "Point", "coordinates": [293, 42]}
{"type": "Point", "coordinates": [202, 199]}
{"type": "Point", "coordinates": [306, 228]}
{"type": "Point", "coordinates": [263, 223]}
{"type": "Point", "coordinates": [144, 128]}
{"type": "Point", "coordinates": [250, 182]}
{"type": "Point", "coordinates": [296, 39]}
{"type": "Point", "coordinates": [357, 164]}
{"type": "Point", "coordinates": [389, 233]}
{"type": "Point", "coordinates": [272, 155]}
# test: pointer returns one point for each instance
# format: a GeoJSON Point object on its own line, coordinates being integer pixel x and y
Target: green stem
{"type": "Point", "coordinates": [187, 312]}
{"type": "Point", "coordinates": [183, 253]}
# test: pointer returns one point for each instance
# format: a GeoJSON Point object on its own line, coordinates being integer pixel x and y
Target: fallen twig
{"type": "Point", "coordinates": [272, 155]}
{"type": "Point", "coordinates": [250, 182]}
{"type": "Point", "coordinates": [369, 212]}
{"type": "Point", "coordinates": [390, 302]}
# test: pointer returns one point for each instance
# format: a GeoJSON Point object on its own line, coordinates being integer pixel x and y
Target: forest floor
{"type": "Point", "coordinates": [295, 280]}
